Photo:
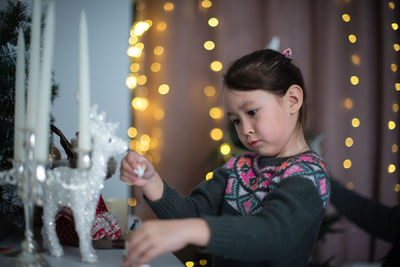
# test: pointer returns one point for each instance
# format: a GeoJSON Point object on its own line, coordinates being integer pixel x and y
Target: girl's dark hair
{"type": "Point", "coordinates": [269, 70]}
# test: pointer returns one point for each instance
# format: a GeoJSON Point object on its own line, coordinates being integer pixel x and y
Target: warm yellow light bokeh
{"type": "Point", "coordinates": [132, 202]}
{"type": "Point", "coordinates": [348, 103]}
{"type": "Point", "coordinates": [209, 45]}
{"type": "Point", "coordinates": [213, 22]}
{"type": "Point", "coordinates": [395, 148]}
{"type": "Point", "coordinates": [131, 81]}
{"type": "Point", "coordinates": [397, 86]}
{"type": "Point", "coordinates": [391, 125]}
{"type": "Point", "coordinates": [395, 107]}
{"type": "Point", "coordinates": [350, 185]}
{"type": "Point", "coordinates": [140, 46]}
{"type": "Point", "coordinates": [158, 50]}
{"type": "Point", "coordinates": [142, 79]}
{"type": "Point", "coordinates": [134, 51]}
{"type": "Point", "coordinates": [355, 122]}
{"type": "Point", "coordinates": [354, 80]}
{"type": "Point", "coordinates": [133, 39]}
{"type": "Point", "coordinates": [189, 264]}
{"type": "Point", "coordinates": [140, 103]}
{"type": "Point", "coordinates": [397, 188]}
{"type": "Point", "coordinates": [145, 139]}
{"type": "Point", "coordinates": [203, 262]}
{"type": "Point", "coordinates": [161, 26]}
{"type": "Point", "coordinates": [216, 134]}
{"type": "Point", "coordinates": [216, 66]}
{"type": "Point", "coordinates": [209, 175]}
{"type": "Point", "coordinates": [216, 113]}
{"type": "Point", "coordinates": [135, 67]}
{"type": "Point", "coordinates": [393, 67]}
{"type": "Point", "coordinates": [163, 89]}
{"type": "Point", "coordinates": [155, 67]}
{"type": "Point", "coordinates": [391, 168]}
{"type": "Point", "coordinates": [356, 59]}
{"type": "Point", "coordinates": [140, 27]}
{"type": "Point", "coordinates": [349, 142]}
{"type": "Point", "coordinates": [132, 132]}
{"type": "Point", "coordinates": [206, 3]}
{"type": "Point", "coordinates": [225, 149]}
{"type": "Point", "coordinates": [346, 17]}
{"type": "Point", "coordinates": [395, 26]}
{"type": "Point", "coordinates": [391, 5]}
{"type": "Point", "coordinates": [347, 164]}
{"type": "Point", "coordinates": [168, 6]}
{"type": "Point", "coordinates": [159, 114]}
{"type": "Point", "coordinates": [396, 47]}
{"type": "Point", "coordinates": [209, 91]}
{"type": "Point", "coordinates": [352, 38]}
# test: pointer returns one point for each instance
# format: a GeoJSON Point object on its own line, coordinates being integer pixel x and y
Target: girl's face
{"type": "Point", "coordinates": [265, 122]}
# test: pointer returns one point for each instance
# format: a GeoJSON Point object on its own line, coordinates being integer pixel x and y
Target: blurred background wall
{"type": "Point", "coordinates": [348, 51]}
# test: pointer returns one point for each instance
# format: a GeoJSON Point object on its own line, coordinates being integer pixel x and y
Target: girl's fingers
{"type": "Point", "coordinates": [137, 247]}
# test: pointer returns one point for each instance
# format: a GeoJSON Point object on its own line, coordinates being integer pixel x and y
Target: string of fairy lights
{"type": "Point", "coordinates": [149, 143]}
{"type": "Point", "coordinates": [349, 102]}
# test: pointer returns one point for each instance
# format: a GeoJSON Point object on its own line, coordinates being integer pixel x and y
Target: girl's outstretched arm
{"type": "Point", "coordinates": [154, 238]}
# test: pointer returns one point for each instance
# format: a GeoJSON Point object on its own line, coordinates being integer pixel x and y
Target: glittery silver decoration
{"type": "Point", "coordinates": [140, 170]}
{"type": "Point", "coordinates": [80, 189]}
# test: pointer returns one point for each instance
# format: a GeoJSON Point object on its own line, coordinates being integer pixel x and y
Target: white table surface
{"type": "Point", "coordinates": [106, 257]}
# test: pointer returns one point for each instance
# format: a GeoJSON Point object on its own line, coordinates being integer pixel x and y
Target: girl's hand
{"type": "Point", "coordinates": [130, 168]}
{"type": "Point", "coordinates": [137, 170]}
{"type": "Point", "coordinates": [154, 238]}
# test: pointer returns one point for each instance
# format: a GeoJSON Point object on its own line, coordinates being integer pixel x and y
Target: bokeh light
{"type": "Point", "coordinates": [209, 175]}
{"type": "Point", "coordinates": [349, 142]}
{"type": "Point", "coordinates": [216, 134]}
{"type": "Point", "coordinates": [209, 45]}
{"type": "Point", "coordinates": [355, 122]}
{"type": "Point", "coordinates": [163, 89]}
{"type": "Point", "coordinates": [132, 132]}
{"type": "Point", "coordinates": [347, 164]}
{"type": "Point", "coordinates": [213, 22]}
{"type": "Point", "coordinates": [225, 149]}
{"type": "Point", "coordinates": [216, 65]}
{"type": "Point", "coordinates": [209, 91]}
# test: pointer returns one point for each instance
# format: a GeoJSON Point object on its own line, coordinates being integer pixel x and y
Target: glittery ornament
{"type": "Point", "coordinates": [80, 189]}
{"type": "Point", "coordinates": [139, 171]}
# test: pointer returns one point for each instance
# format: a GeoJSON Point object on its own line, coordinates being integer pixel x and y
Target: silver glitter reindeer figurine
{"type": "Point", "coordinates": [80, 189]}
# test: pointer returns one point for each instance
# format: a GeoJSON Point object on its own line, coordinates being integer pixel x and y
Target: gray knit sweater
{"type": "Point", "coordinates": [261, 211]}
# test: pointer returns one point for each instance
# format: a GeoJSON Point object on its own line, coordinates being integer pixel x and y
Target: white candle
{"type": "Point", "coordinates": [19, 111]}
{"type": "Point", "coordinates": [34, 66]}
{"type": "Point", "coordinates": [43, 114]}
{"type": "Point", "coordinates": [84, 87]}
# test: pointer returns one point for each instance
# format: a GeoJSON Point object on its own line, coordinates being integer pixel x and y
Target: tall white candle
{"type": "Point", "coordinates": [34, 66]}
{"type": "Point", "coordinates": [84, 86]}
{"type": "Point", "coordinates": [19, 111]}
{"type": "Point", "coordinates": [43, 114]}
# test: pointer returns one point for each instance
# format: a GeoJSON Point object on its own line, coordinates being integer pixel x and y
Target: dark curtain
{"type": "Point", "coordinates": [318, 35]}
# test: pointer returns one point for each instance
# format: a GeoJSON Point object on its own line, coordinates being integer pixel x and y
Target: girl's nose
{"type": "Point", "coordinates": [248, 129]}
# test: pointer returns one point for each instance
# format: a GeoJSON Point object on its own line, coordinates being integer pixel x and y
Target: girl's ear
{"type": "Point", "coordinates": [294, 98]}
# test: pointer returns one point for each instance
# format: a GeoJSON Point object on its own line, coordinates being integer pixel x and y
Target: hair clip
{"type": "Point", "coordinates": [287, 53]}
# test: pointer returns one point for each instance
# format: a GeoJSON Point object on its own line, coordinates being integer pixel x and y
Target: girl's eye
{"type": "Point", "coordinates": [236, 121]}
{"type": "Point", "coordinates": [252, 112]}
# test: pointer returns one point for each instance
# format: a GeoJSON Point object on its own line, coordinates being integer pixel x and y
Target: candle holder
{"type": "Point", "coordinates": [29, 176]}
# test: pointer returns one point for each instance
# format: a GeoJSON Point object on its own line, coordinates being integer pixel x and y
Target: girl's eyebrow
{"type": "Point", "coordinates": [243, 106]}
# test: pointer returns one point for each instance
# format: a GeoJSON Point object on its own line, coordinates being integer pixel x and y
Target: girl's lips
{"type": "Point", "coordinates": [253, 143]}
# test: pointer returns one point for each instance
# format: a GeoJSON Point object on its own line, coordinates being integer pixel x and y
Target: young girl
{"type": "Point", "coordinates": [262, 208]}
